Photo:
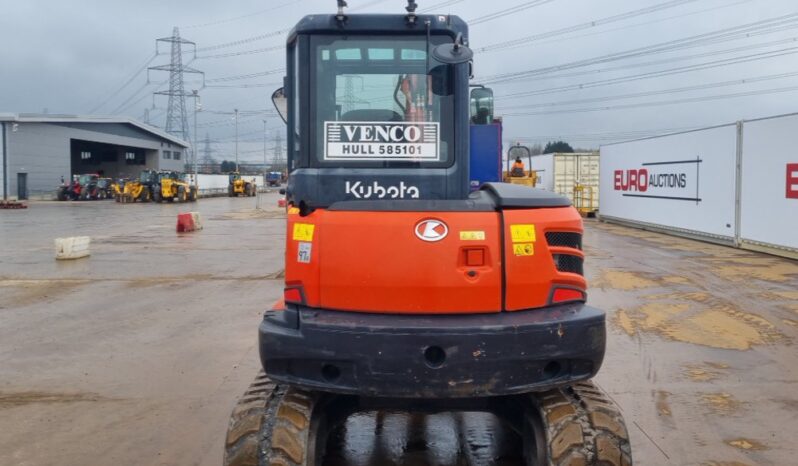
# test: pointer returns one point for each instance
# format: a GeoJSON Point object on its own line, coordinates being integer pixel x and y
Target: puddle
{"type": "Point", "coordinates": [746, 444]}
{"type": "Point", "coordinates": [8, 400]}
{"type": "Point", "coordinates": [761, 268]}
{"type": "Point", "coordinates": [21, 293]}
{"type": "Point", "coordinates": [379, 438]}
{"type": "Point", "coordinates": [251, 214]}
{"type": "Point", "coordinates": [720, 403]}
{"type": "Point", "coordinates": [705, 372]}
{"type": "Point", "coordinates": [663, 406]}
{"type": "Point", "coordinates": [621, 280]}
{"type": "Point", "coordinates": [698, 318]}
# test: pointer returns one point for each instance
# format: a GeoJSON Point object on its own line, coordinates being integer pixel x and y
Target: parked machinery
{"type": "Point", "coordinates": [82, 187]}
{"type": "Point", "coordinates": [172, 186]}
{"type": "Point", "coordinates": [105, 188]}
{"type": "Point", "coordinates": [274, 178]}
{"type": "Point", "coordinates": [136, 189]}
{"type": "Point", "coordinates": [239, 186]}
{"type": "Point", "coordinates": [519, 174]}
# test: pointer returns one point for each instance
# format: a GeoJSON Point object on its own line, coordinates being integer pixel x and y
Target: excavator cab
{"type": "Point", "coordinates": [377, 108]}
{"type": "Point", "coordinates": [403, 288]}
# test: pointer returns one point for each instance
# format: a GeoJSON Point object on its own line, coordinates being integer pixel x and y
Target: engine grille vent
{"type": "Point", "coordinates": [569, 263]}
{"type": "Point", "coordinates": [564, 239]}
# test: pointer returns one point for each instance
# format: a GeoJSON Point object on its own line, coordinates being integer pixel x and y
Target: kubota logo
{"type": "Point", "coordinates": [431, 230]}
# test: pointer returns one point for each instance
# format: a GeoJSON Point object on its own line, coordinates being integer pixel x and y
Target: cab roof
{"type": "Point", "coordinates": [389, 24]}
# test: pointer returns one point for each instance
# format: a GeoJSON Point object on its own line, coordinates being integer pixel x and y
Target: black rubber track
{"type": "Point", "coordinates": [272, 426]}
{"type": "Point", "coordinates": [581, 427]}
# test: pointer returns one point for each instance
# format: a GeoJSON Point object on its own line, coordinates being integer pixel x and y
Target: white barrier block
{"type": "Point", "coordinates": [74, 247]}
{"type": "Point", "coordinates": [197, 220]}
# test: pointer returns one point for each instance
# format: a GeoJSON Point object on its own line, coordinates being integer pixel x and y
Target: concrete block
{"type": "Point", "coordinates": [73, 247]}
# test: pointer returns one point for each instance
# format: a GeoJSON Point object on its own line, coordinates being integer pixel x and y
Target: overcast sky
{"type": "Point", "coordinates": [72, 57]}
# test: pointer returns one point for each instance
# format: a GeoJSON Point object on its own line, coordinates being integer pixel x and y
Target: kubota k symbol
{"type": "Point", "coordinates": [431, 230]}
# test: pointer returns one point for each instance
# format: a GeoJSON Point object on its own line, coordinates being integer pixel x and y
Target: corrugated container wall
{"type": "Point", "coordinates": [560, 173]}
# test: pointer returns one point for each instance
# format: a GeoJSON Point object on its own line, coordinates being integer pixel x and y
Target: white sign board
{"type": "Point", "coordinates": [683, 181]}
{"type": "Point", "coordinates": [381, 140]}
{"type": "Point", "coordinates": [769, 197]}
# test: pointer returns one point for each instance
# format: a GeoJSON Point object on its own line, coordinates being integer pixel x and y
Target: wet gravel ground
{"type": "Point", "coordinates": [136, 355]}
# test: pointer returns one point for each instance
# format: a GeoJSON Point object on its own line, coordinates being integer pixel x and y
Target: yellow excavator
{"type": "Point", "coordinates": [239, 186]}
{"type": "Point", "coordinates": [517, 174]}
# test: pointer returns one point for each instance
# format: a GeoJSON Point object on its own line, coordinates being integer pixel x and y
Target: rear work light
{"type": "Point", "coordinates": [564, 295]}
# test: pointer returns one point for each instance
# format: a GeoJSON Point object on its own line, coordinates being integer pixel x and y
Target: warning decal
{"type": "Point", "coordinates": [381, 140]}
{"type": "Point", "coordinates": [472, 235]}
{"type": "Point", "coordinates": [525, 249]}
{"type": "Point", "coordinates": [522, 233]}
{"type": "Point", "coordinates": [303, 231]}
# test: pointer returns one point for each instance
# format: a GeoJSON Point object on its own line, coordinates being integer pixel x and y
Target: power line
{"type": "Point", "coordinates": [779, 90]}
{"type": "Point", "coordinates": [655, 62]}
{"type": "Point", "coordinates": [588, 25]}
{"type": "Point", "coordinates": [507, 11]}
{"type": "Point", "coordinates": [242, 86]}
{"type": "Point", "coordinates": [245, 76]}
{"type": "Point", "coordinates": [629, 26]}
{"type": "Point", "coordinates": [656, 74]}
{"type": "Point", "coordinates": [243, 52]}
{"type": "Point", "coordinates": [135, 93]}
{"type": "Point", "coordinates": [236, 18]}
{"type": "Point", "coordinates": [634, 95]}
{"type": "Point", "coordinates": [743, 31]}
{"type": "Point", "coordinates": [245, 40]}
{"type": "Point", "coordinates": [439, 5]}
{"type": "Point", "coordinates": [132, 77]}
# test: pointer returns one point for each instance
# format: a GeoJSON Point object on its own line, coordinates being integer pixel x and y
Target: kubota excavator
{"type": "Point", "coordinates": [402, 289]}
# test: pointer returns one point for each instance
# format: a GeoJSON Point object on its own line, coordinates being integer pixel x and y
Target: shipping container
{"type": "Point", "coordinates": [735, 184]}
{"type": "Point", "coordinates": [574, 175]}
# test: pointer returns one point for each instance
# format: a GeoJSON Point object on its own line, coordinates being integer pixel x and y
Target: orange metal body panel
{"type": "Point", "coordinates": [375, 262]}
{"type": "Point", "coordinates": [530, 277]}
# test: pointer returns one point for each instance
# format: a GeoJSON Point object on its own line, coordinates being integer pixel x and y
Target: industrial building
{"type": "Point", "coordinates": [39, 150]}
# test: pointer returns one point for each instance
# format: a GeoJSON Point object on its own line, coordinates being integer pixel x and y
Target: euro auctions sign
{"type": "Point", "coordinates": [676, 180]}
{"type": "Point", "coordinates": [381, 140]}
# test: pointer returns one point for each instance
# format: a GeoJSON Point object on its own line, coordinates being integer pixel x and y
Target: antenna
{"type": "Point", "coordinates": [341, 17]}
{"type": "Point", "coordinates": [411, 11]}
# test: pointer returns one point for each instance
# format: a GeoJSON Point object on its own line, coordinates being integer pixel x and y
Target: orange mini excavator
{"type": "Point", "coordinates": [402, 288]}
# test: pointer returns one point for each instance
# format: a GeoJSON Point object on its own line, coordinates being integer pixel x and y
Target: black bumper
{"type": "Point", "coordinates": [445, 356]}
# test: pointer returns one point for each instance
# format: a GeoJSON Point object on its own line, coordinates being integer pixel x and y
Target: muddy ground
{"type": "Point", "coordinates": [136, 355]}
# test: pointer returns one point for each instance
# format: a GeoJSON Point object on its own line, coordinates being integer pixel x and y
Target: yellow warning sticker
{"type": "Point", "coordinates": [472, 236]}
{"type": "Point", "coordinates": [522, 233]}
{"type": "Point", "coordinates": [293, 210]}
{"type": "Point", "coordinates": [524, 249]}
{"type": "Point", "coordinates": [303, 231]}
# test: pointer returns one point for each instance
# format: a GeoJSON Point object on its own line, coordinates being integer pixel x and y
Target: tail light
{"type": "Point", "coordinates": [564, 295]}
{"type": "Point", "coordinates": [294, 294]}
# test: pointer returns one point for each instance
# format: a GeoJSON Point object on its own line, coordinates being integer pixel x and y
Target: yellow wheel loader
{"type": "Point", "coordinates": [240, 186]}
{"type": "Point", "coordinates": [172, 186]}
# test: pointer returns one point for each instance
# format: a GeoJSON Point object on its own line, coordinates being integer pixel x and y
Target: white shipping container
{"type": "Point", "coordinates": [769, 191]}
{"type": "Point", "coordinates": [560, 172]}
{"type": "Point", "coordinates": [206, 182]}
{"type": "Point", "coordinates": [683, 182]}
